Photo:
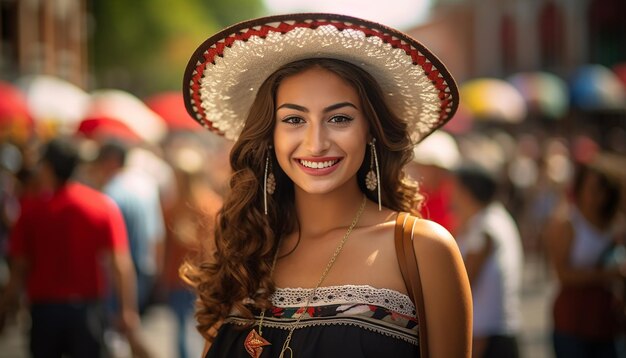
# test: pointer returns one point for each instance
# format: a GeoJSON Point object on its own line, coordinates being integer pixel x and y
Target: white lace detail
{"type": "Point", "coordinates": [365, 294]}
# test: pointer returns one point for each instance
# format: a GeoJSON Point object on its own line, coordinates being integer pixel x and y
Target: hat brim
{"type": "Point", "coordinates": [225, 72]}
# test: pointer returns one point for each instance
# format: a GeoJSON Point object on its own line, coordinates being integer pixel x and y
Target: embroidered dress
{"type": "Point", "coordinates": [341, 321]}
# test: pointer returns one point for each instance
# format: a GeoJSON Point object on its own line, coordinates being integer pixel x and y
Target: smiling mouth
{"type": "Point", "coordinates": [318, 165]}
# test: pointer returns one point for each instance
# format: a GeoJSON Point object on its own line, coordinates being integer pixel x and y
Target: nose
{"type": "Point", "coordinates": [316, 138]}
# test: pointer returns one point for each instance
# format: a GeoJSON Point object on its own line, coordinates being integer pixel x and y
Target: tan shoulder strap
{"type": "Point", "coordinates": [409, 268]}
{"type": "Point", "coordinates": [399, 243]}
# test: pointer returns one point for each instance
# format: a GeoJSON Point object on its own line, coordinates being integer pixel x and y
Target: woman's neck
{"type": "Point", "coordinates": [320, 213]}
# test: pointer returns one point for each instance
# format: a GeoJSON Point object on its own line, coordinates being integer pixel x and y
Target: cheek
{"type": "Point", "coordinates": [362, 147]}
{"type": "Point", "coordinates": [355, 146]}
{"type": "Point", "coordinates": [283, 148]}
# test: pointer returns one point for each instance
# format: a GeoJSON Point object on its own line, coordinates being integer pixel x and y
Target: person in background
{"type": "Point", "coordinates": [56, 248]}
{"type": "Point", "coordinates": [433, 159]}
{"type": "Point", "coordinates": [137, 196]}
{"type": "Point", "coordinates": [188, 222]}
{"type": "Point", "coordinates": [10, 163]}
{"type": "Point", "coordinates": [580, 234]}
{"type": "Point", "coordinates": [490, 243]}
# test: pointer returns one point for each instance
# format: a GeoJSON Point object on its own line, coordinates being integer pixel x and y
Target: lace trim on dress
{"type": "Point", "coordinates": [345, 294]}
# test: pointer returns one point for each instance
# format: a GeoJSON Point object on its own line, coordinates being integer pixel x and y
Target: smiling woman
{"type": "Point", "coordinates": [325, 110]}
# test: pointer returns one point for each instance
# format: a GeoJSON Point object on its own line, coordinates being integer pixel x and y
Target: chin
{"type": "Point", "coordinates": [316, 190]}
{"type": "Point", "coordinates": [324, 188]}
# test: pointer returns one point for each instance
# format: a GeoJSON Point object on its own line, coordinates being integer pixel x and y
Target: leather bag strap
{"type": "Point", "coordinates": [405, 252]}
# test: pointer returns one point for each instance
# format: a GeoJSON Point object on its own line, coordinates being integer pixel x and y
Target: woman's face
{"type": "Point", "coordinates": [321, 133]}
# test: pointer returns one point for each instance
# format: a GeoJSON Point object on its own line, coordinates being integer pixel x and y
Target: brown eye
{"type": "Point", "coordinates": [340, 118]}
{"type": "Point", "coordinates": [293, 120]}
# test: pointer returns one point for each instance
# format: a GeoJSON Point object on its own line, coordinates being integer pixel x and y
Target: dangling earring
{"type": "Point", "coordinates": [269, 182]}
{"type": "Point", "coordinates": [372, 179]}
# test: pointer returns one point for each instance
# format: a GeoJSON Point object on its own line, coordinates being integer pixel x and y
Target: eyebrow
{"type": "Point", "coordinates": [327, 109]}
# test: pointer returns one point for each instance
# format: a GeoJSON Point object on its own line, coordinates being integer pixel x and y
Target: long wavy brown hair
{"type": "Point", "coordinates": [238, 267]}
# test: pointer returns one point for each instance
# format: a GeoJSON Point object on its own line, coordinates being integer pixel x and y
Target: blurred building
{"type": "Point", "coordinates": [44, 37]}
{"type": "Point", "coordinates": [496, 38]}
{"type": "Point", "coordinates": [477, 38]}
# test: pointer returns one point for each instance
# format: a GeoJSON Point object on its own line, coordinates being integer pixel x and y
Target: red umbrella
{"type": "Point", "coordinates": [106, 128]}
{"type": "Point", "coordinates": [130, 110]}
{"type": "Point", "coordinates": [13, 106]}
{"type": "Point", "coordinates": [171, 107]}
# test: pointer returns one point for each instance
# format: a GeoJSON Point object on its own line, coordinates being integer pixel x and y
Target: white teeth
{"type": "Point", "coordinates": [318, 165]}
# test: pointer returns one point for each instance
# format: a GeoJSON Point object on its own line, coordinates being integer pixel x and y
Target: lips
{"type": "Point", "coordinates": [318, 166]}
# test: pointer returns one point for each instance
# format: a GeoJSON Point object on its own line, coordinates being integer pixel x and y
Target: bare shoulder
{"type": "Point", "coordinates": [446, 291]}
{"type": "Point", "coordinates": [439, 259]}
{"type": "Point", "coordinates": [433, 239]}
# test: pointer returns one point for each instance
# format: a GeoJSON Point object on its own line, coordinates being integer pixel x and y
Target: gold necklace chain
{"type": "Point", "coordinates": [286, 347]}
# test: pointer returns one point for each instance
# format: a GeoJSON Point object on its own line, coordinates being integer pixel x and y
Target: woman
{"type": "Point", "coordinates": [580, 235]}
{"type": "Point", "coordinates": [325, 110]}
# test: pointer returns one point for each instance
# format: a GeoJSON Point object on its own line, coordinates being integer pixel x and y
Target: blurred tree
{"type": "Point", "coordinates": [142, 46]}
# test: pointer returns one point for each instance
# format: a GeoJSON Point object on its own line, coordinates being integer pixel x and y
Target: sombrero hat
{"type": "Point", "coordinates": [225, 72]}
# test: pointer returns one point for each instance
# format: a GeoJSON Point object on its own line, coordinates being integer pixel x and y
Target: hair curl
{"type": "Point", "coordinates": [239, 265]}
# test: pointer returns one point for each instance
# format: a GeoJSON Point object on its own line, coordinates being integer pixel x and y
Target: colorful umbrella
{"type": "Point", "coordinates": [103, 128]}
{"type": "Point", "coordinates": [171, 107]}
{"type": "Point", "coordinates": [55, 102]}
{"type": "Point", "coordinates": [493, 99]}
{"type": "Point", "coordinates": [130, 110]}
{"type": "Point", "coordinates": [13, 106]}
{"type": "Point", "coordinates": [15, 119]}
{"type": "Point", "coordinates": [544, 93]}
{"type": "Point", "coordinates": [595, 87]}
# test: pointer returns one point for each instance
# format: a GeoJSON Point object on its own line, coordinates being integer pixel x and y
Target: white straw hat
{"type": "Point", "coordinates": [226, 71]}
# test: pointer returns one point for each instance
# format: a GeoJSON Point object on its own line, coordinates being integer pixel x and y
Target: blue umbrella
{"type": "Point", "coordinates": [595, 87]}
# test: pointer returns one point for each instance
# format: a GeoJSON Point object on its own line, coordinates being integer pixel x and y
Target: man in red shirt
{"type": "Point", "coordinates": [57, 249]}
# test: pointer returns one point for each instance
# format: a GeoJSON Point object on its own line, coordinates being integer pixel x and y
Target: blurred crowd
{"type": "Point", "coordinates": [557, 201]}
{"type": "Point", "coordinates": [102, 198]}
{"type": "Point", "coordinates": [143, 180]}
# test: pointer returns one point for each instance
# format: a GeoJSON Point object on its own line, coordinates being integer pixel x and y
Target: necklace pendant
{"type": "Point", "coordinates": [254, 344]}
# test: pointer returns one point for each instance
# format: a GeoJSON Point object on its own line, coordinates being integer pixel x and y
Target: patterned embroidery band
{"type": "Point", "coordinates": [372, 318]}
